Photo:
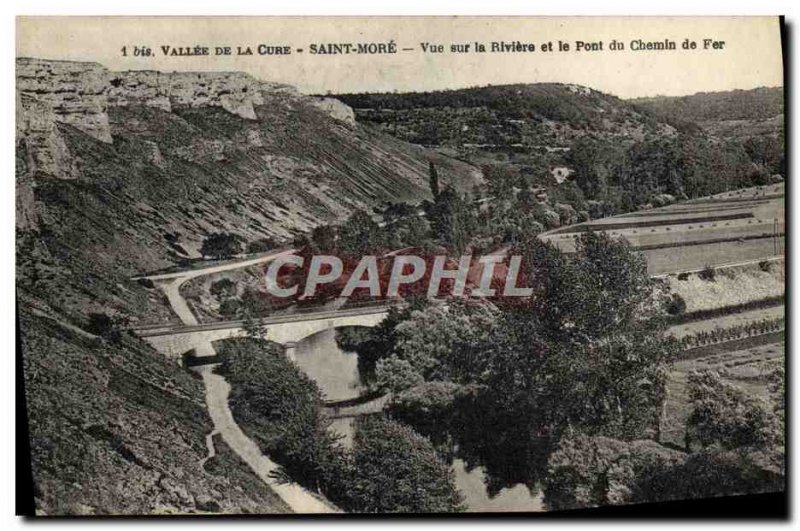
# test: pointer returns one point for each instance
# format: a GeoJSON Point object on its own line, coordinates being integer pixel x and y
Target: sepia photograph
{"type": "Point", "coordinates": [400, 265]}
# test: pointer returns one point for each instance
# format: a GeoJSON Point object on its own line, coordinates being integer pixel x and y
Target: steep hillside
{"type": "Point", "coordinates": [737, 114]}
{"type": "Point", "coordinates": [116, 430]}
{"type": "Point", "coordinates": [573, 143]}
{"type": "Point", "coordinates": [119, 173]}
{"type": "Point", "coordinates": [531, 125]}
{"type": "Point", "coordinates": [753, 119]}
{"type": "Point", "coordinates": [756, 104]}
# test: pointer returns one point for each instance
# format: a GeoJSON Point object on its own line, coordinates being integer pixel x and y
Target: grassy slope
{"type": "Point", "coordinates": [115, 429]}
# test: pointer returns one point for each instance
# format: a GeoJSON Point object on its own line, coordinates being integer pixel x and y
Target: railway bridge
{"type": "Point", "coordinates": [175, 340]}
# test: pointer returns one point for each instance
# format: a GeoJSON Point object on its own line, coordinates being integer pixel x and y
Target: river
{"type": "Point", "coordinates": [336, 373]}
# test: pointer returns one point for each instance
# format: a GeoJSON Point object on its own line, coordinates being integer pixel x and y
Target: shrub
{"type": "Point", "coordinates": [708, 274]}
{"type": "Point", "coordinates": [106, 326]}
{"type": "Point", "coordinates": [395, 469]}
{"type": "Point", "coordinates": [726, 416]}
{"type": "Point", "coordinates": [223, 289]}
{"type": "Point", "coordinates": [676, 305]}
{"type": "Point", "coordinates": [221, 245]}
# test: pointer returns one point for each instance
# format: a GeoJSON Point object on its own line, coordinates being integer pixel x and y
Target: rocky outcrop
{"type": "Point", "coordinates": [79, 94]}
{"type": "Point", "coordinates": [75, 92]}
{"type": "Point", "coordinates": [336, 109]}
{"type": "Point", "coordinates": [236, 92]}
{"type": "Point", "coordinates": [44, 148]}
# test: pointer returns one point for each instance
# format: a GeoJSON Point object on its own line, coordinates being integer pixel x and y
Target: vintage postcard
{"type": "Point", "coordinates": [391, 265]}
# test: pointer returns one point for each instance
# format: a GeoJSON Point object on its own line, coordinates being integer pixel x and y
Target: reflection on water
{"type": "Point", "coordinates": [334, 370]}
{"type": "Point", "coordinates": [336, 373]}
{"type": "Point", "coordinates": [472, 486]}
{"type": "Point", "coordinates": [470, 483]}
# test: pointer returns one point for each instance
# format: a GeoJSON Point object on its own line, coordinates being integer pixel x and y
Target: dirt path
{"type": "Point", "coordinates": [217, 390]}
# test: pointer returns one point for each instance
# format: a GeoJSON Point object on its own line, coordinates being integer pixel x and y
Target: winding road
{"type": "Point", "coordinates": [296, 497]}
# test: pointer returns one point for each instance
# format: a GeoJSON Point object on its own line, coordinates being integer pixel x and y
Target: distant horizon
{"type": "Point", "coordinates": [464, 87]}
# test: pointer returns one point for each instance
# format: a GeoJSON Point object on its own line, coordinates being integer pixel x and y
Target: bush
{"type": "Point", "coordinates": [105, 326]}
{"type": "Point", "coordinates": [395, 469]}
{"type": "Point", "coordinates": [676, 305]}
{"type": "Point", "coordinates": [282, 410]}
{"type": "Point", "coordinates": [726, 416]}
{"type": "Point", "coordinates": [223, 289]}
{"type": "Point", "coordinates": [708, 274]}
{"type": "Point", "coordinates": [221, 245]}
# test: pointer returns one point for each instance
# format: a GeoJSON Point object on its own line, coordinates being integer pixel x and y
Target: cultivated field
{"type": "Point", "coordinates": [735, 226]}
{"type": "Point", "coordinates": [731, 286]}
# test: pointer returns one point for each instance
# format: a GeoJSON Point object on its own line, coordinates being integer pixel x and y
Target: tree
{"type": "Point", "coordinates": [676, 305]}
{"type": "Point", "coordinates": [728, 417]}
{"type": "Point", "coordinates": [262, 245]}
{"type": "Point", "coordinates": [438, 342]}
{"type": "Point", "coordinates": [594, 471]}
{"type": "Point", "coordinates": [587, 350]}
{"type": "Point", "coordinates": [394, 374]}
{"type": "Point", "coordinates": [323, 238]}
{"type": "Point", "coordinates": [433, 179]}
{"type": "Point", "coordinates": [221, 245]}
{"type": "Point", "coordinates": [359, 235]}
{"type": "Point", "coordinates": [281, 409]}
{"type": "Point", "coordinates": [451, 220]}
{"type": "Point", "coordinates": [254, 328]}
{"type": "Point", "coordinates": [108, 327]}
{"type": "Point", "coordinates": [223, 288]}
{"type": "Point", "coordinates": [378, 343]}
{"type": "Point", "coordinates": [396, 469]}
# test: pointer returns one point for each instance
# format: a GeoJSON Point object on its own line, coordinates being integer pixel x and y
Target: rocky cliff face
{"type": "Point", "coordinates": [75, 92]}
{"type": "Point", "coordinates": [235, 92]}
{"type": "Point", "coordinates": [80, 94]}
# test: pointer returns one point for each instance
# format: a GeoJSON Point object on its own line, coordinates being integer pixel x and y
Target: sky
{"type": "Point", "coordinates": [750, 56]}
